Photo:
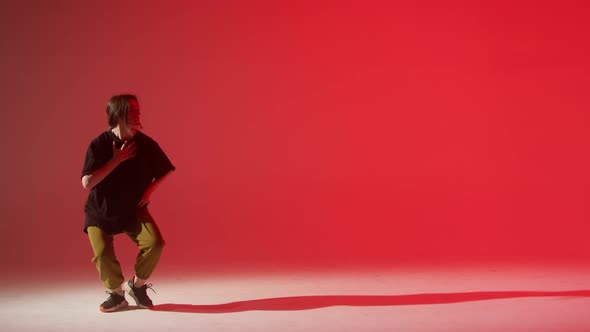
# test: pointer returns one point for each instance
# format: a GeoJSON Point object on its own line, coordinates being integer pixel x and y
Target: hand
{"type": "Point", "coordinates": [125, 152]}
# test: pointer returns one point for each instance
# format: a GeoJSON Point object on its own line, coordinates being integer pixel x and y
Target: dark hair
{"type": "Point", "coordinates": [118, 107]}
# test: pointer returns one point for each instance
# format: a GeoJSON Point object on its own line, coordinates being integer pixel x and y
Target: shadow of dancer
{"type": "Point", "coordinates": [322, 301]}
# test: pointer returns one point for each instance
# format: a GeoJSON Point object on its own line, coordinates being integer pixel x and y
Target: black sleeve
{"type": "Point", "coordinates": [161, 165]}
{"type": "Point", "coordinates": [95, 158]}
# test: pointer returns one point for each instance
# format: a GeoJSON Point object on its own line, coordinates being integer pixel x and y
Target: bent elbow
{"type": "Point", "coordinates": [86, 182]}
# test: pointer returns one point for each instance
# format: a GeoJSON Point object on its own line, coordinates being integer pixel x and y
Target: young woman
{"type": "Point", "coordinates": [123, 167]}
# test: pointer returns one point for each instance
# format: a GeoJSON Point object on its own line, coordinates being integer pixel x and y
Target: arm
{"type": "Point", "coordinates": [145, 199]}
{"type": "Point", "coordinates": [119, 155]}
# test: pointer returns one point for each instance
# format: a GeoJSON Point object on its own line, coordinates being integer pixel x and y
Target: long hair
{"type": "Point", "coordinates": [117, 108]}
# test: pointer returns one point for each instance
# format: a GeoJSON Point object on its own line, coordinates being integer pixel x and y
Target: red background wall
{"type": "Point", "coordinates": [304, 133]}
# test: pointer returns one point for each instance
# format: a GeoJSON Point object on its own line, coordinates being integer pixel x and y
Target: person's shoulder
{"type": "Point", "coordinates": [141, 136]}
{"type": "Point", "coordinates": [104, 137]}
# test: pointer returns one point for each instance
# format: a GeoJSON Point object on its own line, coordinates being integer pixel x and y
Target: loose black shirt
{"type": "Point", "coordinates": [112, 203]}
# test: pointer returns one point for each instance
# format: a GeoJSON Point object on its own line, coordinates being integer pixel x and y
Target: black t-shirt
{"type": "Point", "coordinates": [112, 203]}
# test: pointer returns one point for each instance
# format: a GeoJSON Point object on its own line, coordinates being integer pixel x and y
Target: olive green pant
{"type": "Point", "coordinates": [148, 239]}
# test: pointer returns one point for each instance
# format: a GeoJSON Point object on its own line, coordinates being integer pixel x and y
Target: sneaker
{"type": "Point", "coordinates": [139, 294]}
{"type": "Point", "coordinates": [114, 302]}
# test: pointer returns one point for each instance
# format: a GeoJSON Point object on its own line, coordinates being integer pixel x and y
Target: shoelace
{"type": "Point", "coordinates": [145, 287]}
{"type": "Point", "coordinates": [150, 287]}
{"type": "Point", "coordinates": [111, 295]}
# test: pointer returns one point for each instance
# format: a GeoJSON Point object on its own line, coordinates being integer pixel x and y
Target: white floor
{"type": "Point", "coordinates": [509, 298]}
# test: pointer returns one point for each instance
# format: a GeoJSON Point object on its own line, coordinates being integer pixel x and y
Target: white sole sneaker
{"type": "Point", "coordinates": [120, 306]}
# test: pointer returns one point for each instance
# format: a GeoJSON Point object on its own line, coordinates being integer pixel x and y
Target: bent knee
{"type": "Point", "coordinates": [155, 244]}
{"type": "Point", "coordinates": [101, 254]}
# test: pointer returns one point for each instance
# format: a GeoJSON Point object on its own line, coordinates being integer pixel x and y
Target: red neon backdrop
{"type": "Point", "coordinates": [350, 134]}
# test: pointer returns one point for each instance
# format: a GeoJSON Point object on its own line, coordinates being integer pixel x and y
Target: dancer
{"type": "Point", "coordinates": [123, 167]}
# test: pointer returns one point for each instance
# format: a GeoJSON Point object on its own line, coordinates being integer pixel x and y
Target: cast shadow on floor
{"type": "Point", "coordinates": [323, 301]}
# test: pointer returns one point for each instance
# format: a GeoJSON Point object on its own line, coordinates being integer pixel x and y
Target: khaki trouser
{"type": "Point", "coordinates": [148, 239]}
